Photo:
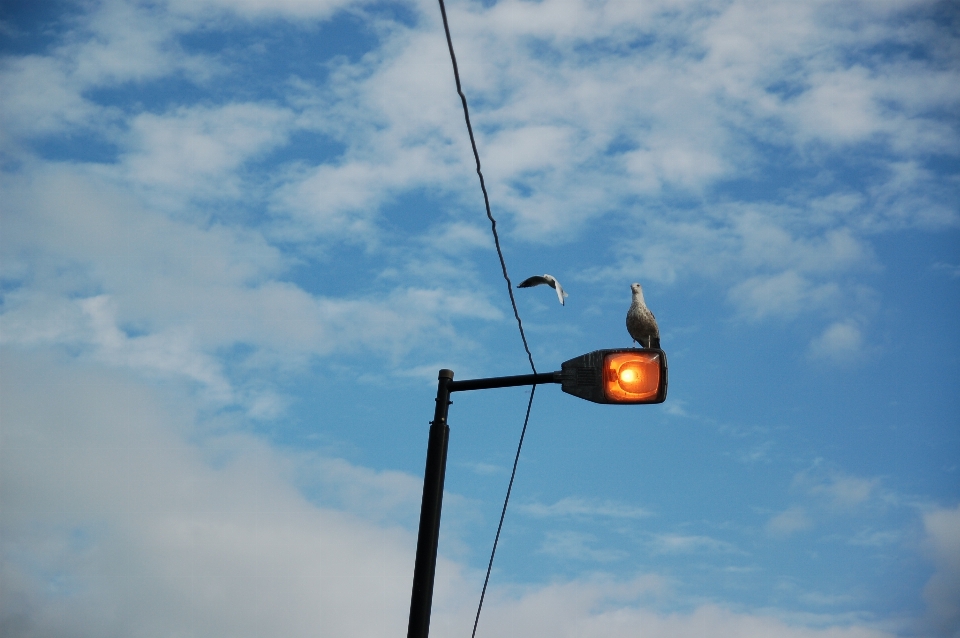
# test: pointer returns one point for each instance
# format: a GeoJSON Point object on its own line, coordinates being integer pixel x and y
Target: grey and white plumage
{"type": "Point", "coordinates": [549, 280]}
{"type": "Point", "coordinates": [641, 324]}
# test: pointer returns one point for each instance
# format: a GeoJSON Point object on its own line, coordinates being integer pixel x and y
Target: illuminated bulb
{"type": "Point", "coordinates": [630, 377]}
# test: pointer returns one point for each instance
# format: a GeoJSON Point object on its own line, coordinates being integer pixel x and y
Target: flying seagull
{"type": "Point", "coordinates": [641, 323]}
{"type": "Point", "coordinates": [546, 279]}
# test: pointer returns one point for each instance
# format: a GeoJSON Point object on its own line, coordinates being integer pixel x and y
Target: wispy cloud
{"type": "Point", "coordinates": [135, 496]}
{"type": "Point", "coordinates": [569, 138]}
{"type": "Point", "coordinates": [163, 294]}
{"type": "Point", "coordinates": [484, 469]}
{"type": "Point", "coordinates": [942, 591]}
{"type": "Point", "coordinates": [134, 499]}
{"type": "Point", "coordinates": [687, 543]}
{"type": "Point", "coordinates": [791, 520]}
{"type": "Point", "coordinates": [839, 490]}
{"type": "Point", "coordinates": [570, 545]}
{"type": "Point", "coordinates": [757, 453]}
{"type": "Point", "coordinates": [952, 270]}
{"type": "Point", "coordinates": [578, 507]}
{"type": "Point", "coordinates": [841, 341]}
{"type": "Point", "coordinates": [159, 215]}
{"type": "Point", "coordinates": [197, 151]}
{"type": "Point", "coordinates": [876, 538]}
{"type": "Point", "coordinates": [826, 493]}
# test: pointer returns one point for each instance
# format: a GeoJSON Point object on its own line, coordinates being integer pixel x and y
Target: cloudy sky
{"type": "Point", "coordinates": [240, 237]}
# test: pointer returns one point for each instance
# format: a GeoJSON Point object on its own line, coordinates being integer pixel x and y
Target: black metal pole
{"type": "Point", "coordinates": [421, 599]}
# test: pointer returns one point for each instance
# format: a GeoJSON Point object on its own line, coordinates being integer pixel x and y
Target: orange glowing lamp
{"type": "Point", "coordinates": [629, 375]}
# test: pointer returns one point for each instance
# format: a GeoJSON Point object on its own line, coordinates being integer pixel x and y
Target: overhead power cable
{"type": "Point", "coordinates": [483, 186]}
{"type": "Point", "coordinates": [513, 303]}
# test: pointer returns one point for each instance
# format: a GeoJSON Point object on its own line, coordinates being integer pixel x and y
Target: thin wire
{"type": "Point", "coordinates": [503, 512]}
{"type": "Point", "coordinates": [513, 302]}
{"type": "Point", "coordinates": [483, 187]}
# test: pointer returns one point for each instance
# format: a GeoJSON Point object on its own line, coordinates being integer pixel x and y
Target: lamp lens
{"type": "Point", "coordinates": [631, 377]}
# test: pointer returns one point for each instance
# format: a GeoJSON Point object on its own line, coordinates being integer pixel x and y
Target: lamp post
{"type": "Point", "coordinates": [623, 376]}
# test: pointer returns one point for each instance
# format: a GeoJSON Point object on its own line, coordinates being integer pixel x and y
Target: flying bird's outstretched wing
{"type": "Point", "coordinates": [561, 293]}
{"type": "Point", "coordinates": [549, 280]}
{"type": "Point", "coordinates": [536, 280]}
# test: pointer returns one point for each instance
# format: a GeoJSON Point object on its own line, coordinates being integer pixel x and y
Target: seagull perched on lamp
{"type": "Point", "coordinates": [641, 324]}
{"type": "Point", "coordinates": [549, 280]}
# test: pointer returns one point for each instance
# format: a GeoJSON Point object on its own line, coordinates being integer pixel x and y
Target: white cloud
{"type": "Point", "coordinates": [847, 491]}
{"type": "Point", "coordinates": [578, 609]}
{"type": "Point", "coordinates": [259, 9]}
{"type": "Point", "coordinates": [483, 469]}
{"type": "Point", "coordinates": [686, 543]}
{"type": "Point", "coordinates": [570, 545]}
{"type": "Point", "coordinates": [114, 43]}
{"type": "Point", "coordinates": [757, 453]}
{"type": "Point", "coordinates": [196, 151]}
{"type": "Point", "coordinates": [98, 271]}
{"type": "Point", "coordinates": [384, 496]}
{"type": "Point", "coordinates": [674, 117]}
{"type": "Point", "coordinates": [573, 506]}
{"type": "Point", "coordinates": [752, 238]}
{"type": "Point", "coordinates": [676, 408]}
{"type": "Point", "coordinates": [171, 352]}
{"type": "Point", "coordinates": [839, 107]}
{"type": "Point", "coordinates": [38, 99]}
{"type": "Point", "coordinates": [768, 267]}
{"type": "Point", "coordinates": [841, 341]}
{"type": "Point", "coordinates": [942, 591]}
{"type": "Point", "coordinates": [827, 493]}
{"type": "Point", "coordinates": [673, 106]}
{"type": "Point", "coordinates": [565, 138]}
{"type": "Point", "coordinates": [340, 201]}
{"type": "Point", "coordinates": [875, 538]}
{"type": "Point", "coordinates": [839, 490]}
{"type": "Point", "coordinates": [952, 270]}
{"type": "Point", "coordinates": [457, 237]}
{"type": "Point", "coordinates": [114, 524]}
{"type": "Point", "coordinates": [791, 520]}
{"type": "Point", "coordinates": [785, 294]}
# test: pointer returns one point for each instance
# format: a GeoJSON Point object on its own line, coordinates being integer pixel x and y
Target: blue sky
{"type": "Point", "coordinates": [240, 237]}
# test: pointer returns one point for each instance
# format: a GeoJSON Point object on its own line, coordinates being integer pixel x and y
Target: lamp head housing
{"type": "Point", "coordinates": [622, 375]}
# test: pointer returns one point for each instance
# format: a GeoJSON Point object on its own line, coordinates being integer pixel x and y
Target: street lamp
{"type": "Point", "coordinates": [624, 376]}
